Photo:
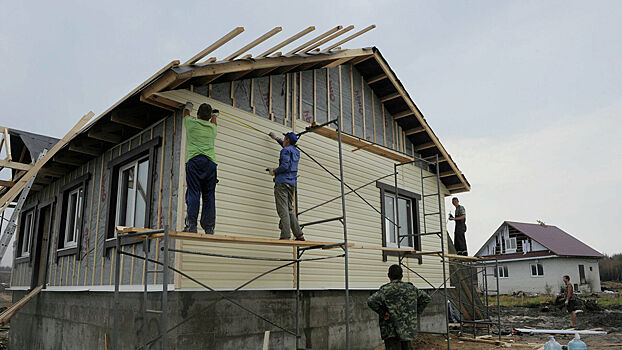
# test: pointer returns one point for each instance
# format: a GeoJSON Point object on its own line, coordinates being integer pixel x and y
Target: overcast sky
{"type": "Point", "coordinates": [525, 95]}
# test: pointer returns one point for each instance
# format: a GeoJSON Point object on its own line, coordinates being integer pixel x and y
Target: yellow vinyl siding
{"type": "Point", "coordinates": [245, 207]}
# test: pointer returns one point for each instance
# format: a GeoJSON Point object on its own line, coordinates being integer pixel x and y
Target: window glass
{"type": "Point", "coordinates": [389, 212]}
{"type": "Point", "coordinates": [27, 233]}
{"type": "Point", "coordinates": [405, 222]}
{"type": "Point", "coordinates": [73, 217]}
{"type": "Point", "coordinates": [132, 194]}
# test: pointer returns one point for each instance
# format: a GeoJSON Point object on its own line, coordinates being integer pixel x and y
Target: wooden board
{"type": "Point", "coordinates": [5, 317]}
{"type": "Point", "coordinates": [363, 144]}
{"type": "Point", "coordinates": [200, 237]}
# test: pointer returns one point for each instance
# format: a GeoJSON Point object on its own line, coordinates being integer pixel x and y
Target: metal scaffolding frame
{"type": "Point", "coordinates": [165, 268]}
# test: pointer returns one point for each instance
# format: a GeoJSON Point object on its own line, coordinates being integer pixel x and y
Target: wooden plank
{"type": "Point", "coordinates": [15, 190]}
{"type": "Point", "coordinates": [14, 165]}
{"type": "Point", "coordinates": [9, 156]}
{"type": "Point", "coordinates": [364, 145]}
{"type": "Point", "coordinates": [254, 43]}
{"type": "Point", "coordinates": [165, 80]}
{"type": "Point", "coordinates": [314, 40]}
{"type": "Point", "coordinates": [377, 78]}
{"type": "Point", "coordinates": [426, 145]}
{"type": "Point", "coordinates": [360, 32]}
{"type": "Point", "coordinates": [200, 237]}
{"type": "Point", "coordinates": [414, 130]}
{"type": "Point", "coordinates": [6, 183]}
{"type": "Point", "coordinates": [447, 173]}
{"type": "Point", "coordinates": [390, 97]}
{"type": "Point", "coordinates": [338, 62]}
{"type": "Point", "coordinates": [5, 317]}
{"type": "Point", "coordinates": [215, 45]}
{"type": "Point", "coordinates": [329, 38]}
{"type": "Point", "coordinates": [133, 121]}
{"type": "Point", "coordinates": [287, 41]}
{"type": "Point", "coordinates": [399, 115]}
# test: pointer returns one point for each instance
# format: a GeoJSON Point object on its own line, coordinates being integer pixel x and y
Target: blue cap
{"type": "Point", "coordinates": [292, 137]}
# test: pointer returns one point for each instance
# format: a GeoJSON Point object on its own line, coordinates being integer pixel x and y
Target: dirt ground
{"type": "Point", "coordinates": [609, 320]}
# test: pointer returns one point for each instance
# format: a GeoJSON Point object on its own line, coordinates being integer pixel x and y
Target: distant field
{"type": "Point", "coordinates": [603, 300]}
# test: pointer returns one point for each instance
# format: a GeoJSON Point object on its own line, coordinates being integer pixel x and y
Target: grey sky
{"type": "Point", "coordinates": [525, 95]}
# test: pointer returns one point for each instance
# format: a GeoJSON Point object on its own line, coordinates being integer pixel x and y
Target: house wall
{"type": "Point", "coordinates": [245, 207]}
{"type": "Point", "coordinates": [520, 279]}
{"type": "Point", "coordinates": [92, 267]}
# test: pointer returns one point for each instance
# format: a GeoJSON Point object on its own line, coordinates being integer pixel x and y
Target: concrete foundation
{"type": "Point", "coordinates": [83, 320]}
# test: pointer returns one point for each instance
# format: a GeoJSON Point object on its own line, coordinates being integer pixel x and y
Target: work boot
{"type": "Point", "coordinates": [300, 238]}
{"type": "Point", "coordinates": [209, 230]}
{"type": "Point", "coordinates": [192, 229]}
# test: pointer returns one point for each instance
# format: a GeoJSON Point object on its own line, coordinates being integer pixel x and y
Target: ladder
{"type": "Point", "coordinates": [9, 231]}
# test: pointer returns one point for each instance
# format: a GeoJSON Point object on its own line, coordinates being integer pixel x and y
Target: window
{"type": "Point", "coordinates": [405, 222]}
{"type": "Point", "coordinates": [71, 216]}
{"type": "Point", "coordinates": [406, 208]}
{"type": "Point", "coordinates": [510, 245]}
{"type": "Point", "coordinates": [501, 271]}
{"type": "Point", "coordinates": [25, 233]}
{"type": "Point", "coordinates": [132, 194]}
{"type": "Point", "coordinates": [130, 187]}
{"type": "Point", "coordinates": [582, 279]}
{"type": "Point", "coordinates": [537, 270]}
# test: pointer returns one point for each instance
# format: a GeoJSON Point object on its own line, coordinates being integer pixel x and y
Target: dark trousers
{"type": "Point", "coordinates": [284, 199]}
{"type": "Point", "coordinates": [397, 344]}
{"type": "Point", "coordinates": [201, 182]}
{"type": "Point", "coordinates": [460, 240]}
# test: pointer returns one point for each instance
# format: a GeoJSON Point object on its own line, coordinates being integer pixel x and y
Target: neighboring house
{"type": "Point", "coordinates": [535, 257]}
{"type": "Point", "coordinates": [127, 168]}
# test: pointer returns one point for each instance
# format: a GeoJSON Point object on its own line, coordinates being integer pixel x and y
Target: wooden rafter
{"type": "Point", "coordinates": [102, 135]}
{"type": "Point", "coordinates": [359, 33]}
{"type": "Point", "coordinates": [403, 114]}
{"type": "Point", "coordinates": [414, 130]}
{"type": "Point", "coordinates": [314, 40]}
{"type": "Point", "coordinates": [287, 41]}
{"type": "Point", "coordinates": [135, 121]}
{"type": "Point", "coordinates": [14, 165]}
{"type": "Point", "coordinates": [390, 97]}
{"type": "Point", "coordinates": [15, 190]}
{"type": "Point", "coordinates": [253, 43]}
{"type": "Point", "coordinates": [446, 174]}
{"type": "Point", "coordinates": [377, 78]}
{"type": "Point", "coordinates": [218, 43]}
{"type": "Point", "coordinates": [426, 145]}
{"type": "Point", "coordinates": [329, 38]}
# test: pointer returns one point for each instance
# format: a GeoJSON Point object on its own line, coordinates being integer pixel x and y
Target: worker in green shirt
{"type": "Point", "coordinates": [201, 177]}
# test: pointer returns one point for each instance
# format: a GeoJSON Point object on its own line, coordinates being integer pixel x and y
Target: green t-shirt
{"type": "Point", "coordinates": [200, 135]}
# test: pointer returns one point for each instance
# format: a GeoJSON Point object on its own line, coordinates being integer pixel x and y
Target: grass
{"type": "Point", "coordinates": [603, 300]}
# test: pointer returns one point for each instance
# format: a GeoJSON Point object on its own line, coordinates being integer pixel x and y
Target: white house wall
{"type": "Point", "coordinates": [520, 279]}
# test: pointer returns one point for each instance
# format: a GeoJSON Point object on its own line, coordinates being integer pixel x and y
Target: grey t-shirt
{"type": "Point", "coordinates": [459, 212]}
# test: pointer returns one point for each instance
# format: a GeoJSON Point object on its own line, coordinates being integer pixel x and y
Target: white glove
{"type": "Point", "coordinates": [272, 134]}
{"type": "Point", "coordinates": [189, 106]}
{"type": "Point", "coordinates": [566, 302]}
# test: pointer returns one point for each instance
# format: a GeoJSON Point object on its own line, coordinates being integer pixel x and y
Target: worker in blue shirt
{"type": "Point", "coordinates": [285, 185]}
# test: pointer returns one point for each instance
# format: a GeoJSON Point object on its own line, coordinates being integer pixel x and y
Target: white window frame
{"type": "Point", "coordinates": [388, 224]}
{"type": "Point", "coordinates": [502, 271]}
{"type": "Point", "coordinates": [123, 206]}
{"type": "Point", "coordinates": [77, 216]}
{"type": "Point", "coordinates": [507, 245]}
{"type": "Point", "coordinates": [531, 266]}
{"type": "Point", "coordinates": [27, 236]}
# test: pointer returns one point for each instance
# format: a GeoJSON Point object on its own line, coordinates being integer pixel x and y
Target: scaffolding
{"type": "Point", "coordinates": [164, 268]}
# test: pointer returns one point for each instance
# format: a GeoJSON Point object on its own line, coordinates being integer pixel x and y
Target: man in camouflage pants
{"type": "Point", "coordinates": [398, 305]}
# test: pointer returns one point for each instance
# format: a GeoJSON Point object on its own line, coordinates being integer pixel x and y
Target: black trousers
{"type": "Point", "coordinates": [460, 240]}
{"type": "Point", "coordinates": [397, 344]}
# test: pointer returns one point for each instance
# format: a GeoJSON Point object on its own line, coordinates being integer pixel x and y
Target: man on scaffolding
{"type": "Point", "coordinates": [460, 228]}
{"type": "Point", "coordinates": [285, 177]}
{"type": "Point", "coordinates": [201, 176]}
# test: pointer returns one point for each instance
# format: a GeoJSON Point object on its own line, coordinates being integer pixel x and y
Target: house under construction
{"type": "Point", "coordinates": [99, 226]}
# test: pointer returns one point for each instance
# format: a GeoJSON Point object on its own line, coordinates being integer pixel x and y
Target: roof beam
{"type": "Point", "coordinates": [390, 97]}
{"type": "Point", "coordinates": [14, 165]}
{"type": "Point", "coordinates": [455, 187]}
{"type": "Point", "coordinates": [314, 40]}
{"type": "Point", "coordinates": [133, 121]}
{"type": "Point", "coordinates": [254, 43]}
{"type": "Point", "coordinates": [165, 80]}
{"type": "Point", "coordinates": [6, 183]}
{"type": "Point", "coordinates": [377, 78]}
{"type": "Point", "coordinates": [426, 145]}
{"type": "Point", "coordinates": [287, 41]}
{"type": "Point", "coordinates": [360, 32]}
{"type": "Point", "coordinates": [338, 62]}
{"type": "Point", "coordinates": [403, 114]}
{"type": "Point", "coordinates": [68, 160]}
{"type": "Point", "coordinates": [271, 62]}
{"type": "Point", "coordinates": [387, 70]}
{"type": "Point", "coordinates": [329, 38]}
{"type": "Point", "coordinates": [111, 137]}
{"type": "Point", "coordinates": [218, 43]}
{"type": "Point", "coordinates": [414, 130]}
{"type": "Point", "coordinates": [447, 174]}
